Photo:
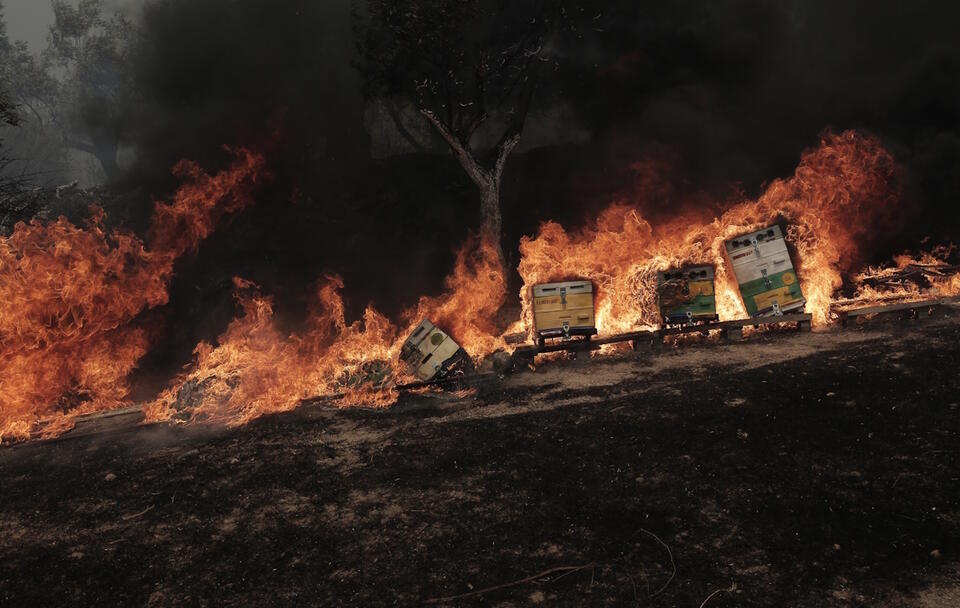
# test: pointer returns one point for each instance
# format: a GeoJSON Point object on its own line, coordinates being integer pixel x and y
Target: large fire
{"type": "Point", "coordinates": [909, 278]}
{"type": "Point", "coordinates": [70, 296]}
{"type": "Point", "coordinates": [839, 190]}
{"type": "Point", "coordinates": [256, 369]}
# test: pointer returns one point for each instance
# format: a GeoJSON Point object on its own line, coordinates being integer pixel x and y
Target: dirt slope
{"type": "Point", "coordinates": [791, 470]}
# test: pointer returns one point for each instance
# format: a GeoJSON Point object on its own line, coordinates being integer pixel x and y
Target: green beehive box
{"type": "Point", "coordinates": [765, 274]}
{"type": "Point", "coordinates": [686, 295]}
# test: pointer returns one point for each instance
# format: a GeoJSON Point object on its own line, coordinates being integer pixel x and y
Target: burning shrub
{"type": "Point", "coordinates": [69, 297]}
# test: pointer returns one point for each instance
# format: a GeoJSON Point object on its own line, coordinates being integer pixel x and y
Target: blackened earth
{"type": "Point", "coordinates": [790, 470]}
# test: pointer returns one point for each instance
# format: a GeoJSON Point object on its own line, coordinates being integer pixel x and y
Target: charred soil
{"type": "Point", "coordinates": [790, 470]}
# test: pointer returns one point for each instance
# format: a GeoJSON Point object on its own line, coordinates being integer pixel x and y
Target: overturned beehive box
{"type": "Point", "coordinates": [765, 274]}
{"type": "Point", "coordinates": [430, 354]}
{"type": "Point", "coordinates": [562, 310]}
{"type": "Point", "coordinates": [686, 295]}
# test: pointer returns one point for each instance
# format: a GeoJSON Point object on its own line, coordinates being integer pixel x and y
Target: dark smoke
{"type": "Point", "coordinates": [736, 89]}
{"type": "Point", "coordinates": [222, 71]}
{"type": "Point", "coordinates": [725, 93]}
{"type": "Point", "coordinates": [685, 103]}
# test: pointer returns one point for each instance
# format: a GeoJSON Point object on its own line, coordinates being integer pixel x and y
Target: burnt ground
{"type": "Point", "coordinates": [792, 470]}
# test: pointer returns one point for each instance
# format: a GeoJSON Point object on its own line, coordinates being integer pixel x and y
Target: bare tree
{"type": "Point", "coordinates": [472, 68]}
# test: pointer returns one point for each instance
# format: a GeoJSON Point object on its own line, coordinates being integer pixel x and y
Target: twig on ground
{"type": "Point", "coordinates": [136, 515]}
{"type": "Point", "coordinates": [565, 569]}
{"type": "Point", "coordinates": [571, 571]}
{"type": "Point", "coordinates": [709, 597]}
{"type": "Point", "coordinates": [673, 564]}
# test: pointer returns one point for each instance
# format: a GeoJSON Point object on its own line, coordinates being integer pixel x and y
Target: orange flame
{"type": "Point", "coordinates": [473, 294]}
{"type": "Point", "coordinates": [909, 278]}
{"type": "Point", "coordinates": [829, 205]}
{"type": "Point", "coordinates": [69, 297]}
{"type": "Point", "coordinates": [255, 369]}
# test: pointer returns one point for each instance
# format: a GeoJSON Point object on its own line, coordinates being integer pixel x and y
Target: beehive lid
{"type": "Point", "coordinates": [421, 332]}
{"type": "Point", "coordinates": [572, 287]}
{"type": "Point", "coordinates": [689, 273]}
{"type": "Point", "coordinates": [771, 233]}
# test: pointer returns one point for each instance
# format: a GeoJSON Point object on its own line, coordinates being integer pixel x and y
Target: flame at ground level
{"type": "Point", "coordinates": [841, 192]}
{"type": "Point", "coordinates": [255, 369]}
{"type": "Point", "coordinates": [69, 297]}
{"type": "Point", "coordinates": [909, 278]}
{"type": "Point", "coordinates": [838, 193]}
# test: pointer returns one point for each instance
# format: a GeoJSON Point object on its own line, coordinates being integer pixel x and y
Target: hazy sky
{"type": "Point", "coordinates": [30, 20]}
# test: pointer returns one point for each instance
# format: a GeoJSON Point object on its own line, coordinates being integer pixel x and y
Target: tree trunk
{"type": "Point", "coordinates": [491, 218]}
{"type": "Point", "coordinates": [487, 180]}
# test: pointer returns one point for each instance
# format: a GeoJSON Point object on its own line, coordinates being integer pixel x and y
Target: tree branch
{"type": "Point", "coordinates": [503, 151]}
{"type": "Point", "coordinates": [35, 113]}
{"type": "Point", "coordinates": [517, 121]}
{"type": "Point", "coordinates": [476, 172]}
{"type": "Point", "coordinates": [528, 579]}
{"type": "Point", "coordinates": [481, 101]}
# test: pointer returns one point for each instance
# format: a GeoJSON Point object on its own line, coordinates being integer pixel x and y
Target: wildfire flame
{"type": "Point", "coordinates": [255, 369]}
{"type": "Point", "coordinates": [69, 298]}
{"type": "Point", "coordinates": [830, 204]}
{"type": "Point", "coordinates": [909, 278]}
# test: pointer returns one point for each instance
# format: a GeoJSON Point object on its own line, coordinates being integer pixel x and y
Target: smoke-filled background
{"type": "Point", "coordinates": [668, 105]}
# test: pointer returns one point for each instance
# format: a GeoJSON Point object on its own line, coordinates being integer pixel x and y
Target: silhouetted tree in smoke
{"type": "Point", "coordinates": [27, 96]}
{"type": "Point", "coordinates": [89, 55]}
{"type": "Point", "coordinates": [8, 117]}
{"type": "Point", "coordinates": [11, 211]}
{"type": "Point", "coordinates": [471, 67]}
{"type": "Point", "coordinates": [8, 114]}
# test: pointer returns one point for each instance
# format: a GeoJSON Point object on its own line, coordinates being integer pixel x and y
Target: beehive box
{"type": "Point", "coordinates": [686, 295]}
{"type": "Point", "coordinates": [765, 274]}
{"type": "Point", "coordinates": [429, 353]}
{"type": "Point", "coordinates": [561, 310]}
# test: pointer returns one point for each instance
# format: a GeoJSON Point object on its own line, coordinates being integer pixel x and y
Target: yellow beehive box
{"type": "Point", "coordinates": [562, 310]}
{"type": "Point", "coordinates": [430, 353]}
